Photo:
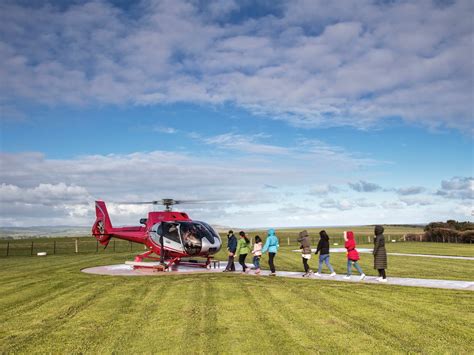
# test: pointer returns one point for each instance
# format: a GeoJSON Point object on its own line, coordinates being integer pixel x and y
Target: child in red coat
{"type": "Point", "coordinates": [352, 255]}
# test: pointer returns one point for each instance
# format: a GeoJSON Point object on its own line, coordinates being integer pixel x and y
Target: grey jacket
{"type": "Point", "coordinates": [304, 240]}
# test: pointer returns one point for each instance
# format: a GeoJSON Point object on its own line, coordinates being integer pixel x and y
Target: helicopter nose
{"type": "Point", "coordinates": [210, 248]}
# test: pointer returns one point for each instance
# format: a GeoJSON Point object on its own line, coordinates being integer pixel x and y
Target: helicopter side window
{"type": "Point", "coordinates": [171, 232]}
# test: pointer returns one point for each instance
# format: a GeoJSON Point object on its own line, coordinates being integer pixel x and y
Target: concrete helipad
{"type": "Point", "coordinates": [128, 270]}
{"type": "Point", "coordinates": [366, 251]}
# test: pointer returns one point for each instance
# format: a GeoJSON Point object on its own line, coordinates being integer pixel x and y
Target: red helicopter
{"type": "Point", "coordinates": [168, 234]}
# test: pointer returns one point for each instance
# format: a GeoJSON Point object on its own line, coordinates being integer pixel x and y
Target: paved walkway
{"type": "Point", "coordinates": [366, 251]}
{"type": "Point", "coordinates": [128, 270]}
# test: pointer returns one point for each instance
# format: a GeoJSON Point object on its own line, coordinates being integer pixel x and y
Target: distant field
{"type": "Point", "coordinates": [48, 305]}
{"type": "Point", "coordinates": [87, 244]}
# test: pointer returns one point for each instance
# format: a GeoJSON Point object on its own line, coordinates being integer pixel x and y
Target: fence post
{"type": "Point", "coordinates": [8, 248]}
{"type": "Point", "coordinates": [54, 247]}
{"type": "Point", "coordinates": [288, 240]}
{"type": "Point", "coordinates": [31, 248]}
{"type": "Point", "coordinates": [97, 246]}
{"type": "Point", "coordinates": [77, 245]}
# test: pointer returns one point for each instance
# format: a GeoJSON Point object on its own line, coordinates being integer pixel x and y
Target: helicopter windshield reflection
{"type": "Point", "coordinates": [192, 234]}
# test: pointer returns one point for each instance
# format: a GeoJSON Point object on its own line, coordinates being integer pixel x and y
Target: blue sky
{"type": "Point", "coordinates": [295, 113]}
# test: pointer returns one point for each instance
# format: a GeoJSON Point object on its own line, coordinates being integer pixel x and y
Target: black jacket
{"type": "Point", "coordinates": [323, 245]}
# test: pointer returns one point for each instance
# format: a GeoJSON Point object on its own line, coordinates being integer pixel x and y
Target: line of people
{"type": "Point", "coordinates": [243, 247]}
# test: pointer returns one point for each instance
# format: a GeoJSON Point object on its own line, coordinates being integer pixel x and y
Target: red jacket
{"type": "Point", "coordinates": [350, 245]}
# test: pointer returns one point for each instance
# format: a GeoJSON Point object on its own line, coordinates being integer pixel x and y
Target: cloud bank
{"type": "Point", "coordinates": [253, 191]}
{"type": "Point", "coordinates": [309, 63]}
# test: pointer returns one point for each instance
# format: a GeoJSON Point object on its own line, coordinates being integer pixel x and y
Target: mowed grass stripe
{"type": "Point", "coordinates": [157, 325]}
{"type": "Point", "coordinates": [111, 322]}
{"type": "Point", "coordinates": [393, 320]}
{"type": "Point", "coordinates": [35, 295]}
{"type": "Point", "coordinates": [282, 330]}
{"type": "Point", "coordinates": [45, 319]}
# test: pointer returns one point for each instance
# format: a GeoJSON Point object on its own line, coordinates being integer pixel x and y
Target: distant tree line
{"type": "Point", "coordinates": [450, 231]}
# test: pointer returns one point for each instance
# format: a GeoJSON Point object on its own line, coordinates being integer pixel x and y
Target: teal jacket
{"type": "Point", "coordinates": [271, 244]}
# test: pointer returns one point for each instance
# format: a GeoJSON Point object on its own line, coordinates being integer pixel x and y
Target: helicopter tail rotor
{"type": "Point", "coordinates": [103, 225]}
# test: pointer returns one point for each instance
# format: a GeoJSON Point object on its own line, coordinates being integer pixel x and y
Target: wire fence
{"type": "Point", "coordinates": [75, 246]}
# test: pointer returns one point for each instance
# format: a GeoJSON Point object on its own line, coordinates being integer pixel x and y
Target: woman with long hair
{"type": "Point", "coordinates": [243, 248]}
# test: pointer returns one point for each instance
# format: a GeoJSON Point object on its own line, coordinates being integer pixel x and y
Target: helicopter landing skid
{"type": "Point", "coordinates": [169, 264]}
{"type": "Point", "coordinates": [198, 263]}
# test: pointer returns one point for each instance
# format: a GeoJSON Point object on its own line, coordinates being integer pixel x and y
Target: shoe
{"type": "Point", "coordinates": [311, 272]}
{"type": "Point", "coordinates": [347, 277]}
{"type": "Point", "coordinates": [272, 274]}
{"type": "Point", "coordinates": [257, 271]}
{"type": "Point", "coordinates": [305, 275]}
{"type": "Point", "coordinates": [226, 270]}
{"type": "Point", "coordinates": [383, 280]}
{"type": "Point", "coordinates": [247, 270]}
{"type": "Point", "coordinates": [333, 274]}
{"type": "Point", "coordinates": [362, 277]}
{"type": "Point", "coordinates": [318, 274]}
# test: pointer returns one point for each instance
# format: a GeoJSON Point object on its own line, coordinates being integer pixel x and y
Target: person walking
{"type": "Point", "coordinates": [257, 253]}
{"type": "Point", "coordinates": [231, 248]}
{"type": "Point", "coordinates": [352, 255]}
{"type": "Point", "coordinates": [305, 247]}
{"type": "Point", "coordinates": [380, 254]}
{"type": "Point", "coordinates": [243, 248]}
{"type": "Point", "coordinates": [323, 250]}
{"type": "Point", "coordinates": [271, 245]}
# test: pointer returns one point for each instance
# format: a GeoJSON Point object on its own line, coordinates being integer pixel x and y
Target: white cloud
{"type": "Point", "coordinates": [310, 63]}
{"type": "Point", "coordinates": [167, 130]}
{"type": "Point", "coordinates": [417, 201]}
{"type": "Point", "coordinates": [323, 190]}
{"type": "Point", "coordinates": [364, 186]}
{"type": "Point", "coordinates": [245, 144]}
{"type": "Point", "coordinates": [412, 190]}
{"type": "Point", "coordinates": [457, 188]}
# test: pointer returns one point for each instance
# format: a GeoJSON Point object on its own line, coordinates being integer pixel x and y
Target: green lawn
{"type": "Point", "coordinates": [48, 305]}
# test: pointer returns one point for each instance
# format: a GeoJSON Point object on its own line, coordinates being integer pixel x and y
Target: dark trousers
{"type": "Point", "coordinates": [271, 256]}
{"type": "Point", "coordinates": [242, 261]}
{"type": "Point", "coordinates": [305, 264]}
{"type": "Point", "coordinates": [382, 273]}
{"type": "Point", "coordinates": [230, 264]}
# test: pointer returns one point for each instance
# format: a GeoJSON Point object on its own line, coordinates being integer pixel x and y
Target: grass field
{"type": "Point", "coordinates": [48, 305]}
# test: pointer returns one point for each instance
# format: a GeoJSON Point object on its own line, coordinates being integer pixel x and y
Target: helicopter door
{"type": "Point", "coordinates": [192, 241]}
{"type": "Point", "coordinates": [171, 239]}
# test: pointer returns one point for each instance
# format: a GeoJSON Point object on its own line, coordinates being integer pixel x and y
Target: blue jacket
{"type": "Point", "coordinates": [271, 244]}
{"type": "Point", "coordinates": [232, 244]}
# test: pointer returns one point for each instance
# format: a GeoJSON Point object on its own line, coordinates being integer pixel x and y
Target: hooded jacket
{"type": "Point", "coordinates": [271, 244]}
{"type": "Point", "coordinates": [350, 245]}
{"type": "Point", "coordinates": [304, 240]}
{"type": "Point", "coordinates": [243, 247]}
{"type": "Point", "coordinates": [323, 245]}
{"type": "Point", "coordinates": [380, 254]}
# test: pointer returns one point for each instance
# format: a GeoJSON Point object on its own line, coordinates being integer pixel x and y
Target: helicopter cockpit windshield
{"type": "Point", "coordinates": [192, 234]}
